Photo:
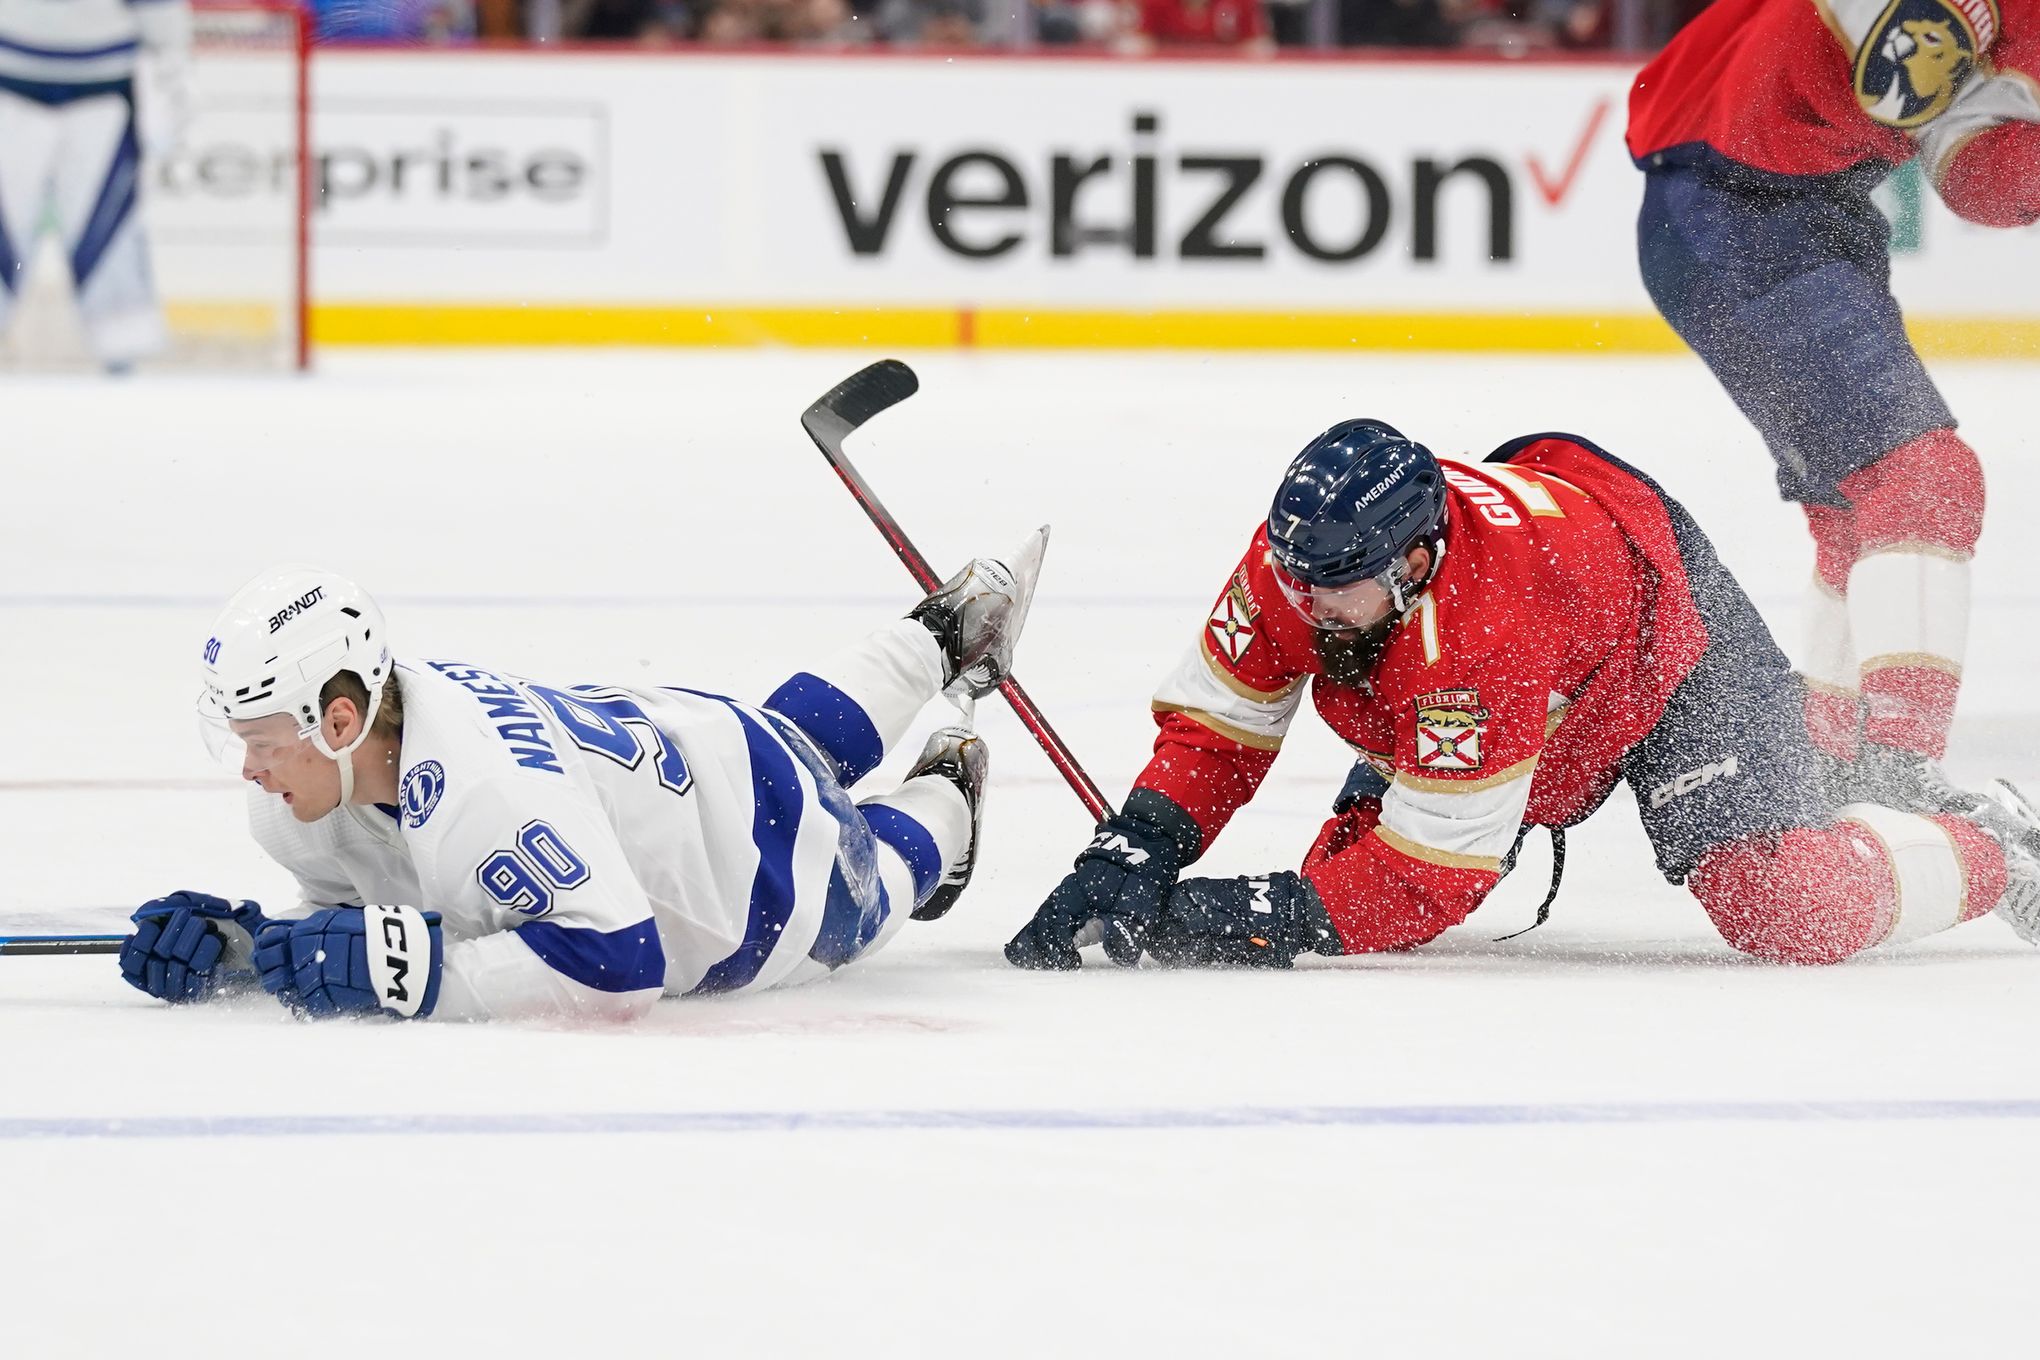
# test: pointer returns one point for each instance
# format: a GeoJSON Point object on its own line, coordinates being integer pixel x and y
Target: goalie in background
{"type": "Point", "coordinates": [71, 155]}
{"type": "Point", "coordinates": [470, 845]}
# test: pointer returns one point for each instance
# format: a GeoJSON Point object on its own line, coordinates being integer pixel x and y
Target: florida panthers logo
{"type": "Point", "coordinates": [1917, 54]}
{"type": "Point", "coordinates": [1449, 728]}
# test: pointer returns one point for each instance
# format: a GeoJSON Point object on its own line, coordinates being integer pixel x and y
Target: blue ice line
{"type": "Point", "coordinates": [967, 1121]}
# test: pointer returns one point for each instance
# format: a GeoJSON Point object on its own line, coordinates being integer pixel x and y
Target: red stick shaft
{"type": "Point", "coordinates": [1059, 754]}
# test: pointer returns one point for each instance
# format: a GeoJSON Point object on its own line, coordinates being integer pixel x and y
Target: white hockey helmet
{"type": "Point", "coordinates": [276, 644]}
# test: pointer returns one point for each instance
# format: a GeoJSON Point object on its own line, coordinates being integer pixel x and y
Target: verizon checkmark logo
{"type": "Point", "coordinates": [1553, 189]}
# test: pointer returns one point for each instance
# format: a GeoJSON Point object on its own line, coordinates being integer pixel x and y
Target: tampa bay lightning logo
{"type": "Point", "coordinates": [423, 783]}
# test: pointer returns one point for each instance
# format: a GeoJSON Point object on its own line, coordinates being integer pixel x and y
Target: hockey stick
{"type": "Point", "coordinates": [22, 946]}
{"type": "Point", "coordinates": [71, 930]}
{"type": "Point", "coordinates": [837, 416]}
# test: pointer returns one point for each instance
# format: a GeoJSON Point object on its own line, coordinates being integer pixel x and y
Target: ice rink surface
{"type": "Point", "coordinates": [1612, 1136]}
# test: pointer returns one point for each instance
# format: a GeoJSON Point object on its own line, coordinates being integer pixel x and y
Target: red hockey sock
{"type": "Point", "coordinates": [1983, 865]}
{"type": "Point", "coordinates": [1834, 543]}
{"type": "Point", "coordinates": [1800, 896]}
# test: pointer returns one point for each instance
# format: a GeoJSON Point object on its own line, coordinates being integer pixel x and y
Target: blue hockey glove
{"type": "Point", "coordinates": [1121, 881]}
{"type": "Point", "coordinates": [189, 945]}
{"type": "Point", "coordinates": [1363, 782]}
{"type": "Point", "coordinates": [353, 961]}
{"type": "Point", "coordinates": [1242, 922]}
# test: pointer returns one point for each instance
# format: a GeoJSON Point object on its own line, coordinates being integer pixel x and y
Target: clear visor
{"type": "Point", "coordinates": [249, 746]}
{"type": "Point", "coordinates": [1338, 609]}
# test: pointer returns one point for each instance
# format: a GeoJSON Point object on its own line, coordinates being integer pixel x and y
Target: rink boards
{"type": "Point", "coordinates": [513, 197]}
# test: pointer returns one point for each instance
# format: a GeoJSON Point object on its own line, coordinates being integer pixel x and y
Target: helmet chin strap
{"type": "Point", "coordinates": [344, 757]}
{"type": "Point", "coordinates": [1403, 590]}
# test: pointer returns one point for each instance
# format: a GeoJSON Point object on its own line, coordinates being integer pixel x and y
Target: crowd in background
{"type": "Point", "coordinates": [1506, 26]}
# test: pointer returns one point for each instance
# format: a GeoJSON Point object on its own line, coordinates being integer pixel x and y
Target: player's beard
{"type": "Point", "coordinates": [1350, 655]}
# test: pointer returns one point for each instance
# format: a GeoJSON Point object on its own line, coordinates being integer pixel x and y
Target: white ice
{"type": "Point", "coordinates": [1612, 1137]}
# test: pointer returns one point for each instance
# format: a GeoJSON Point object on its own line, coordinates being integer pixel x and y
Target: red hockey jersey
{"type": "Point", "coordinates": [1812, 87]}
{"type": "Point", "coordinates": [1546, 645]}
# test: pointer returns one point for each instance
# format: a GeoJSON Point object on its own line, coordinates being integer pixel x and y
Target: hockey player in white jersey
{"type": "Point", "coordinates": [472, 845]}
{"type": "Point", "coordinates": [69, 150]}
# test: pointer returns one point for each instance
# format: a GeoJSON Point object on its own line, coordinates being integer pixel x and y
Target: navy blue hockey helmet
{"type": "Point", "coordinates": [1353, 502]}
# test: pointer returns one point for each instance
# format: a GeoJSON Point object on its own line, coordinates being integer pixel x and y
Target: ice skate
{"type": "Point", "coordinates": [976, 616]}
{"type": "Point", "coordinates": [960, 756]}
{"type": "Point", "coordinates": [1908, 781]}
{"type": "Point", "coordinates": [2013, 822]}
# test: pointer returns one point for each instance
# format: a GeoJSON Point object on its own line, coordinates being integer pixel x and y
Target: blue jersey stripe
{"type": "Point", "coordinates": [832, 720]}
{"type": "Point", "coordinates": [777, 800]}
{"type": "Point", "coordinates": [625, 960]}
{"type": "Point", "coordinates": [73, 54]}
{"type": "Point", "coordinates": [856, 904]}
{"type": "Point", "coordinates": [116, 204]}
{"type": "Point", "coordinates": [848, 928]}
{"type": "Point", "coordinates": [57, 93]}
{"type": "Point", "coordinates": [11, 264]}
{"type": "Point", "coordinates": [913, 841]}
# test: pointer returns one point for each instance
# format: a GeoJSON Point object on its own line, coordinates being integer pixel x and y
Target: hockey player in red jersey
{"type": "Point", "coordinates": [1502, 644]}
{"type": "Point", "coordinates": [1761, 130]}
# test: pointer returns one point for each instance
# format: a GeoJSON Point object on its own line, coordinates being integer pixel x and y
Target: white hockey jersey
{"type": "Point", "coordinates": [84, 42]}
{"type": "Point", "coordinates": [591, 848]}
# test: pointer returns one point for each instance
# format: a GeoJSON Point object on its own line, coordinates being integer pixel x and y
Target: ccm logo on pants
{"type": "Point", "coordinates": [1693, 779]}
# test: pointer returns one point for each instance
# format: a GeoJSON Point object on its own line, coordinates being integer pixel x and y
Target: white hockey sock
{"type": "Point", "coordinates": [1830, 670]}
{"type": "Point", "coordinates": [1909, 611]}
{"type": "Point", "coordinates": [1931, 887]}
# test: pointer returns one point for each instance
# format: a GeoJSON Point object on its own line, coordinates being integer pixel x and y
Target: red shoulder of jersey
{"type": "Point", "coordinates": [1812, 87]}
{"type": "Point", "coordinates": [1225, 708]}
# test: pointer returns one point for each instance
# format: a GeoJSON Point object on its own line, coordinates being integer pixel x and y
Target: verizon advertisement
{"type": "Point", "coordinates": [661, 179]}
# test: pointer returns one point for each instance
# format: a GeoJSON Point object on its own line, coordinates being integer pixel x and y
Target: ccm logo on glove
{"type": "Point", "coordinates": [398, 943]}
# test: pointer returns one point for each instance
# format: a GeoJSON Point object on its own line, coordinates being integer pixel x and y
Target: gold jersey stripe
{"type": "Point", "coordinates": [1219, 725]}
{"type": "Point", "coordinates": [1925, 661]}
{"type": "Point", "coordinates": [1828, 687]}
{"type": "Point", "coordinates": [1520, 770]}
{"type": "Point", "coordinates": [1443, 858]}
{"type": "Point", "coordinates": [1912, 547]}
{"type": "Point", "coordinates": [1241, 687]}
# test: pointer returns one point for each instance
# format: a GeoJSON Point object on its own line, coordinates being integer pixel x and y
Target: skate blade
{"type": "Point", "coordinates": [1025, 565]}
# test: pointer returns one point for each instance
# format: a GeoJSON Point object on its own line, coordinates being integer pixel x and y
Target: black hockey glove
{"type": "Point", "coordinates": [1242, 922]}
{"type": "Point", "coordinates": [1121, 882]}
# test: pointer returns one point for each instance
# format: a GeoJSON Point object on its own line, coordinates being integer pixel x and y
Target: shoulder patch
{"type": "Point", "coordinates": [1232, 623]}
{"type": "Point", "coordinates": [423, 783]}
{"type": "Point", "coordinates": [1917, 53]}
{"type": "Point", "coordinates": [1450, 723]}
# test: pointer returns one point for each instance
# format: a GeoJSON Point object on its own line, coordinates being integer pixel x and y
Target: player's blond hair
{"type": "Point", "coordinates": [389, 718]}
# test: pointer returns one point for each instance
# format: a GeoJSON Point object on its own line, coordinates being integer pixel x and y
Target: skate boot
{"type": "Point", "coordinates": [976, 616]}
{"type": "Point", "coordinates": [2013, 822]}
{"type": "Point", "coordinates": [1908, 781]}
{"type": "Point", "coordinates": [960, 756]}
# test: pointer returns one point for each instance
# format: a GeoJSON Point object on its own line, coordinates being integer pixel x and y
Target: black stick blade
{"type": "Point", "coordinates": [857, 399]}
